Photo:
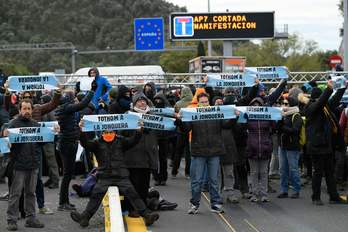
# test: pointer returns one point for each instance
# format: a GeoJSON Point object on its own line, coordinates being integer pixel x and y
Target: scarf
{"type": "Point", "coordinates": [141, 111]}
{"type": "Point", "coordinates": [290, 110]}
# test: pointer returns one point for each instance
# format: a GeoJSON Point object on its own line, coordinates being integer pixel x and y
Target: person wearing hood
{"type": "Point", "coordinates": [142, 159]}
{"type": "Point", "coordinates": [112, 171]}
{"type": "Point", "coordinates": [150, 90]}
{"type": "Point", "coordinates": [323, 138]}
{"type": "Point", "coordinates": [182, 143]}
{"type": "Point", "coordinates": [124, 98]}
{"type": "Point", "coordinates": [290, 148]}
{"type": "Point", "coordinates": [68, 118]}
{"type": "Point", "coordinates": [104, 86]}
{"type": "Point", "coordinates": [259, 150]}
{"type": "Point", "coordinates": [235, 159]}
{"type": "Point", "coordinates": [161, 174]}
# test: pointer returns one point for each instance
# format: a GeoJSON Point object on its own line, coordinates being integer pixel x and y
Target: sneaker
{"type": "Point", "coordinates": [46, 211]}
{"type": "Point", "coordinates": [283, 195]}
{"type": "Point", "coordinates": [264, 199]}
{"type": "Point", "coordinates": [187, 176]}
{"type": "Point", "coordinates": [317, 202]}
{"type": "Point", "coordinates": [48, 183]}
{"type": "Point", "coordinates": [66, 207]}
{"type": "Point", "coordinates": [82, 219]}
{"type": "Point", "coordinates": [12, 226]}
{"type": "Point", "coordinates": [4, 197]}
{"type": "Point", "coordinates": [166, 205]}
{"type": "Point", "coordinates": [150, 218]}
{"type": "Point", "coordinates": [233, 199]}
{"type": "Point", "coordinates": [193, 209]}
{"type": "Point", "coordinates": [295, 196]}
{"type": "Point", "coordinates": [34, 223]}
{"type": "Point", "coordinates": [217, 209]}
{"type": "Point", "coordinates": [254, 199]}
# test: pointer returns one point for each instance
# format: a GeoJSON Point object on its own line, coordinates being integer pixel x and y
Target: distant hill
{"type": "Point", "coordinates": [88, 24]}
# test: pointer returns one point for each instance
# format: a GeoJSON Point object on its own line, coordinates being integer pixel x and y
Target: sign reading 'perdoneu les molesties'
{"type": "Point", "coordinates": [221, 26]}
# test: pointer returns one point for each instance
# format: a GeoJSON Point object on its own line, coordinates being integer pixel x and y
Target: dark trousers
{"type": "Point", "coordinates": [40, 194]}
{"type": "Point", "coordinates": [140, 178]}
{"type": "Point", "coordinates": [340, 166]}
{"type": "Point", "coordinates": [67, 152]}
{"type": "Point", "coordinates": [307, 161]}
{"type": "Point", "coordinates": [182, 146]}
{"type": "Point", "coordinates": [27, 180]}
{"type": "Point", "coordinates": [324, 164]}
{"type": "Point", "coordinates": [161, 174]}
{"type": "Point", "coordinates": [240, 173]}
{"type": "Point", "coordinates": [125, 188]}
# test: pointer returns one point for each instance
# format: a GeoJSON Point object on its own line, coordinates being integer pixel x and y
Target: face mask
{"type": "Point", "coordinates": [108, 136]}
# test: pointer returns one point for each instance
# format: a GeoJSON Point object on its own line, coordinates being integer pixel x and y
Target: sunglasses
{"type": "Point", "coordinates": [286, 103]}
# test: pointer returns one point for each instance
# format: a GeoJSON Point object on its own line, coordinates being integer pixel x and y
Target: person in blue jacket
{"type": "Point", "coordinates": [101, 94]}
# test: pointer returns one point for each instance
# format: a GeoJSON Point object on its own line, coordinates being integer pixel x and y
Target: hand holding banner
{"type": "Point", "coordinates": [339, 82]}
{"type": "Point", "coordinates": [110, 122]}
{"type": "Point", "coordinates": [32, 83]}
{"type": "Point", "coordinates": [208, 113]}
{"type": "Point", "coordinates": [31, 135]}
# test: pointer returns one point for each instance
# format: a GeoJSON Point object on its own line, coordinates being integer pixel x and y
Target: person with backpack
{"type": "Point", "coordinates": [290, 148]}
{"type": "Point", "coordinates": [323, 139]}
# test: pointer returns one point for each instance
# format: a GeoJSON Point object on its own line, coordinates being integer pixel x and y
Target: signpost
{"type": "Point", "coordinates": [335, 60]}
{"type": "Point", "coordinates": [221, 26]}
{"type": "Point", "coordinates": [148, 34]}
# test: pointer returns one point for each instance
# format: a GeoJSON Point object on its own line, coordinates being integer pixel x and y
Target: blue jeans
{"type": "Point", "coordinates": [288, 161]}
{"type": "Point", "coordinates": [197, 172]}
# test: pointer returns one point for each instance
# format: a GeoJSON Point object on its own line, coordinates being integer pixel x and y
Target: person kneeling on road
{"type": "Point", "coordinates": [111, 172]}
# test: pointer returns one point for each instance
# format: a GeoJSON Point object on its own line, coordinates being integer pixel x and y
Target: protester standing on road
{"type": "Point", "coordinates": [69, 134]}
{"type": "Point", "coordinates": [26, 157]}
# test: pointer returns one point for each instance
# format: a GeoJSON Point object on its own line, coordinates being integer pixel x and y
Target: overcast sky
{"type": "Point", "coordinates": [317, 20]}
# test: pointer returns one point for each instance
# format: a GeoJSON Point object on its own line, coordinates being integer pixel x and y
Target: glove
{"type": "Point", "coordinates": [94, 86]}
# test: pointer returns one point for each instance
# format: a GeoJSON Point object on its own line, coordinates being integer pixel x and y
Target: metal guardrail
{"type": "Point", "coordinates": [172, 79]}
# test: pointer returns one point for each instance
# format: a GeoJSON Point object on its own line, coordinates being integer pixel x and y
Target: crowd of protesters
{"type": "Point", "coordinates": [228, 159]}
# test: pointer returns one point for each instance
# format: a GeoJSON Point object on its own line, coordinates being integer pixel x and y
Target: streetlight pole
{"type": "Point", "coordinates": [209, 41]}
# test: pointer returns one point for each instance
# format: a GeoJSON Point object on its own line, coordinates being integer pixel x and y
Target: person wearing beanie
{"type": "Point", "coordinates": [141, 159]}
{"type": "Point", "coordinates": [124, 98]}
{"type": "Point", "coordinates": [323, 138]}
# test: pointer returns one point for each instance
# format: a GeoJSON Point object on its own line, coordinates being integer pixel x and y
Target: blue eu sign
{"type": "Point", "coordinates": [183, 26]}
{"type": "Point", "coordinates": [148, 34]}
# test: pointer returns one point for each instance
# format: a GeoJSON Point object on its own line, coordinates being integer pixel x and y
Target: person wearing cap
{"type": "Point", "coordinates": [323, 138]}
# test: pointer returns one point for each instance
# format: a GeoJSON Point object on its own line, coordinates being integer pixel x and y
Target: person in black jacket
{"type": "Point", "coordinates": [112, 171]}
{"type": "Point", "coordinates": [290, 148]}
{"type": "Point", "coordinates": [142, 159]}
{"type": "Point", "coordinates": [68, 118]}
{"type": "Point", "coordinates": [26, 158]}
{"type": "Point", "coordinates": [323, 137]}
{"type": "Point", "coordinates": [161, 174]}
